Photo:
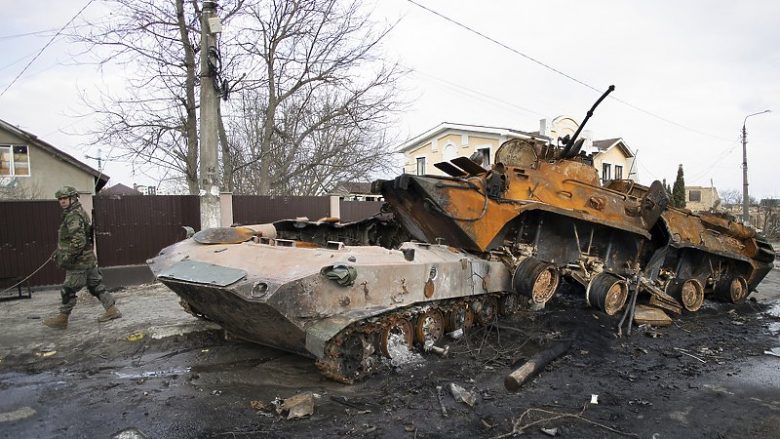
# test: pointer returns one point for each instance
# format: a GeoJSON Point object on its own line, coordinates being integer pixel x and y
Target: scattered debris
{"type": "Point", "coordinates": [130, 433]}
{"type": "Point", "coordinates": [519, 425]}
{"type": "Point", "coordinates": [684, 352]}
{"type": "Point", "coordinates": [594, 399]}
{"type": "Point", "coordinates": [442, 352]}
{"type": "Point", "coordinates": [774, 352]}
{"type": "Point", "coordinates": [462, 395]}
{"type": "Point", "coordinates": [550, 431]}
{"type": "Point", "coordinates": [45, 354]}
{"type": "Point", "coordinates": [441, 401]}
{"type": "Point", "coordinates": [297, 406]}
{"type": "Point", "coordinates": [409, 428]}
{"type": "Point", "coordinates": [517, 377]}
{"type": "Point", "coordinates": [651, 316]}
{"type": "Point", "coordinates": [136, 336]}
{"type": "Point", "coordinates": [261, 406]}
{"type": "Point", "coordinates": [15, 415]}
{"type": "Point", "coordinates": [456, 334]}
{"type": "Point", "coordinates": [640, 402]}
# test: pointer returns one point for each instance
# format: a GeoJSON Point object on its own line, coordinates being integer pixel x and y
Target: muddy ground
{"type": "Point", "coordinates": [704, 377]}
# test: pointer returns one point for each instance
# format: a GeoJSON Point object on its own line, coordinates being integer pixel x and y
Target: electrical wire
{"type": "Point", "coordinates": [559, 72]}
{"type": "Point", "coordinates": [45, 46]}
{"type": "Point", "coordinates": [475, 93]}
{"type": "Point", "coordinates": [30, 275]}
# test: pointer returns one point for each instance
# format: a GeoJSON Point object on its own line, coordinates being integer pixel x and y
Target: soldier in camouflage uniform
{"type": "Point", "coordinates": [75, 255]}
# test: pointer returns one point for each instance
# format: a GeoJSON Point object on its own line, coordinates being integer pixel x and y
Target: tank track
{"type": "Point", "coordinates": [348, 361]}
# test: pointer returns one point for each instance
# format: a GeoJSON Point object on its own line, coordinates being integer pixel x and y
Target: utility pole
{"type": "Point", "coordinates": [745, 196]}
{"type": "Point", "coordinates": [209, 186]}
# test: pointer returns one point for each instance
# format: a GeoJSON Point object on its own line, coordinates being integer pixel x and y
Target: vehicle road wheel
{"type": "Point", "coordinates": [607, 292]}
{"type": "Point", "coordinates": [734, 290]}
{"type": "Point", "coordinates": [429, 327]}
{"type": "Point", "coordinates": [486, 311]}
{"type": "Point", "coordinates": [690, 293]}
{"type": "Point", "coordinates": [536, 279]}
{"type": "Point", "coordinates": [396, 338]}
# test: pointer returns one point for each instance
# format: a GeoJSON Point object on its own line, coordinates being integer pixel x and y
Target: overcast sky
{"type": "Point", "coordinates": [686, 75]}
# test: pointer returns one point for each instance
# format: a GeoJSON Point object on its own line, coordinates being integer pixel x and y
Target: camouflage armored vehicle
{"type": "Point", "coordinates": [457, 250]}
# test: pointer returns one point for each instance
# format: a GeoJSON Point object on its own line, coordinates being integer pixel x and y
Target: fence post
{"type": "Point", "coordinates": [335, 206]}
{"type": "Point", "coordinates": [226, 209]}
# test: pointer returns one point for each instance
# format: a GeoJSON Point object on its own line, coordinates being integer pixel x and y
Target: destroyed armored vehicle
{"type": "Point", "coordinates": [453, 251]}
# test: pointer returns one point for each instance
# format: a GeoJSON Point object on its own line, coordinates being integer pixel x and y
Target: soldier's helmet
{"type": "Point", "coordinates": [66, 191]}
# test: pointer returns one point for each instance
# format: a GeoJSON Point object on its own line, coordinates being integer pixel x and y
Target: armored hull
{"type": "Point", "coordinates": [306, 299]}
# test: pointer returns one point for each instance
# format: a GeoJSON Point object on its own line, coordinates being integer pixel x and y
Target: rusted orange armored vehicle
{"type": "Point", "coordinates": [456, 250]}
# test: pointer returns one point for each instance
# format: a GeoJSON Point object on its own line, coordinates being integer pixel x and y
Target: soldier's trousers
{"type": "Point", "coordinates": [78, 279]}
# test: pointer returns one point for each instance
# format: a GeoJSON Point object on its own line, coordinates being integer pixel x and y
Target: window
{"type": "Point", "coordinates": [618, 172]}
{"type": "Point", "coordinates": [14, 160]}
{"type": "Point", "coordinates": [420, 165]}
{"type": "Point", "coordinates": [694, 196]}
{"type": "Point", "coordinates": [606, 172]}
{"type": "Point", "coordinates": [485, 156]}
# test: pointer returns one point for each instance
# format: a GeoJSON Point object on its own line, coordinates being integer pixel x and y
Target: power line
{"type": "Point", "coordinates": [476, 93]}
{"type": "Point", "coordinates": [26, 34]}
{"type": "Point", "coordinates": [559, 72]}
{"type": "Point", "coordinates": [45, 46]}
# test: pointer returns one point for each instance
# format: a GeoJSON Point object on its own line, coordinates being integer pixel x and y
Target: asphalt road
{"type": "Point", "coordinates": [160, 373]}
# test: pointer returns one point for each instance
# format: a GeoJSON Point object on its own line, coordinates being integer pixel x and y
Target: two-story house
{"type": "Point", "coordinates": [31, 168]}
{"type": "Point", "coordinates": [612, 158]}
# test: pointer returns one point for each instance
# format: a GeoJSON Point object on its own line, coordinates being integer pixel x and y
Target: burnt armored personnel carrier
{"type": "Point", "coordinates": [457, 250]}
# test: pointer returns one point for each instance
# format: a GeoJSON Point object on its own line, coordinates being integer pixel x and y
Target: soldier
{"type": "Point", "coordinates": [74, 254]}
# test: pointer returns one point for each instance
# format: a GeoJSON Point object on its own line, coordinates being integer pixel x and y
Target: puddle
{"type": "Point", "coordinates": [152, 373]}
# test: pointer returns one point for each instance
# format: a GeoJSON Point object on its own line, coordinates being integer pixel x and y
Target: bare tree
{"type": "Point", "coordinates": [153, 120]}
{"type": "Point", "coordinates": [314, 95]}
{"type": "Point", "coordinates": [730, 196]}
{"type": "Point", "coordinates": [318, 106]}
{"type": "Point", "coordinates": [733, 197]}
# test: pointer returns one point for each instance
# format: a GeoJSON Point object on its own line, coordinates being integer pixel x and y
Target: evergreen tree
{"type": "Point", "coordinates": [678, 190]}
{"type": "Point", "coordinates": [667, 188]}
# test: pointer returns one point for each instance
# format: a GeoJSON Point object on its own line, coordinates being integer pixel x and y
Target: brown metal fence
{"type": "Point", "coordinates": [129, 230]}
{"type": "Point", "coordinates": [28, 237]}
{"type": "Point", "coordinates": [358, 210]}
{"type": "Point", "coordinates": [258, 209]}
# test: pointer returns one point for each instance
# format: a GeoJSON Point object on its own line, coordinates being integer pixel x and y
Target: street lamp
{"type": "Point", "coordinates": [745, 197]}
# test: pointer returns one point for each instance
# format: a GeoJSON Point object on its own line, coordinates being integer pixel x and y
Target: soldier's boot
{"type": "Point", "coordinates": [111, 313]}
{"type": "Point", "coordinates": [60, 321]}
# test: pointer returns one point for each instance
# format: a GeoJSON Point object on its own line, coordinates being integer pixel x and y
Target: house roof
{"type": "Point", "coordinates": [351, 187]}
{"type": "Point", "coordinates": [100, 178]}
{"type": "Point", "coordinates": [605, 144]}
{"type": "Point", "coordinates": [444, 126]}
{"type": "Point", "coordinates": [119, 190]}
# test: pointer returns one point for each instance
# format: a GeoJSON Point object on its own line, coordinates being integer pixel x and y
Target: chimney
{"type": "Point", "coordinates": [544, 127]}
{"type": "Point", "coordinates": [588, 145]}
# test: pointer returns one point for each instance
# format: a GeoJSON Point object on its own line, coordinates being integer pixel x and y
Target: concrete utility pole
{"type": "Point", "coordinates": [745, 196]}
{"type": "Point", "coordinates": [209, 187]}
